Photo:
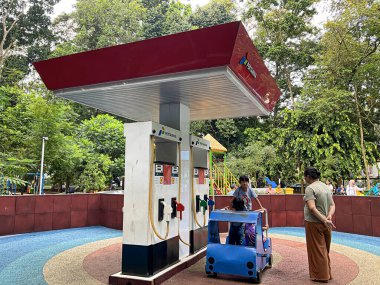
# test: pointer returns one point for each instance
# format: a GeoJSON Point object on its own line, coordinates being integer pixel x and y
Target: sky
{"type": "Point", "coordinates": [67, 5]}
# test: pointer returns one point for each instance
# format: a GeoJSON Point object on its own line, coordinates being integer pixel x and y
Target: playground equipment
{"type": "Point", "coordinates": [242, 260]}
{"type": "Point", "coordinates": [171, 80]}
{"type": "Point", "coordinates": [278, 188]}
{"type": "Point", "coordinates": [35, 182]}
{"type": "Point", "coordinates": [3, 186]}
{"type": "Point", "coordinates": [374, 191]}
{"type": "Point", "coordinates": [270, 182]}
{"type": "Point", "coordinates": [221, 176]}
{"type": "Point", "coordinates": [8, 185]}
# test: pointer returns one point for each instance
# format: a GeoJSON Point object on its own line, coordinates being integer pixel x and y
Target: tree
{"type": "Point", "coordinates": [166, 17]}
{"type": "Point", "coordinates": [285, 37]}
{"type": "Point", "coordinates": [25, 118]}
{"type": "Point", "coordinates": [105, 135]}
{"type": "Point", "coordinates": [252, 159]}
{"type": "Point", "coordinates": [314, 134]}
{"type": "Point", "coordinates": [103, 23]}
{"type": "Point", "coordinates": [94, 175]}
{"type": "Point", "coordinates": [349, 62]}
{"type": "Point", "coordinates": [13, 169]}
{"type": "Point", "coordinates": [216, 12]}
{"type": "Point", "coordinates": [67, 163]}
{"type": "Point", "coordinates": [25, 34]}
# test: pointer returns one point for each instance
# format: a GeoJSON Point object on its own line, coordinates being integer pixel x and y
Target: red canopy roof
{"type": "Point", "coordinates": [203, 69]}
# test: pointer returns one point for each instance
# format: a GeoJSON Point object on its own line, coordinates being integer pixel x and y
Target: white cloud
{"type": "Point", "coordinates": [64, 6]}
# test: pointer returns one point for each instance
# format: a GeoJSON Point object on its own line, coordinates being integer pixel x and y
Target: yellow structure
{"type": "Point", "coordinates": [289, 191]}
{"type": "Point", "coordinates": [221, 177]}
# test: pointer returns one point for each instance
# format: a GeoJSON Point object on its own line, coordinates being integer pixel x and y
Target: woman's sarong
{"type": "Point", "coordinates": [318, 240]}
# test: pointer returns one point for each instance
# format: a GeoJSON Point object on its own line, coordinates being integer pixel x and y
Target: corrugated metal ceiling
{"type": "Point", "coordinates": [210, 94]}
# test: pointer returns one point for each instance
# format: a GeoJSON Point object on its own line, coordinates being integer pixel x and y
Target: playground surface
{"type": "Point", "coordinates": [89, 255]}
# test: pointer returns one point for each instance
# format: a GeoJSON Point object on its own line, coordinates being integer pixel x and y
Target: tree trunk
{"type": "Point", "coordinates": [67, 186]}
{"type": "Point", "coordinates": [299, 167]}
{"type": "Point", "coordinates": [362, 144]}
{"type": "Point", "coordinates": [289, 83]}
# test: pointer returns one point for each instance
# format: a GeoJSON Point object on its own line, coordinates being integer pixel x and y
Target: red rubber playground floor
{"type": "Point", "coordinates": [91, 255]}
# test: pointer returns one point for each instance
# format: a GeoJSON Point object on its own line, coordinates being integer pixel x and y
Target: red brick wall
{"type": "Point", "coordinates": [359, 215]}
{"type": "Point", "coordinates": [21, 214]}
{"type": "Point", "coordinates": [111, 208]}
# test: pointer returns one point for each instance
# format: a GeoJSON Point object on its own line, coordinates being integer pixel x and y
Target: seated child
{"type": "Point", "coordinates": [250, 234]}
{"type": "Point", "coordinates": [236, 232]}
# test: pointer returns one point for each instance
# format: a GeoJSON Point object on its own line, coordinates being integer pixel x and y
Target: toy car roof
{"type": "Point", "coordinates": [234, 216]}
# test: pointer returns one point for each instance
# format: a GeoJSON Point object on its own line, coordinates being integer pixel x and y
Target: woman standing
{"type": "Point", "coordinates": [319, 209]}
{"type": "Point", "coordinates": [352, 189]}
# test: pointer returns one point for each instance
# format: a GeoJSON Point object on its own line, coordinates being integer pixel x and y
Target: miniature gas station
{"type": "Point", "coordinates": [163, 84]}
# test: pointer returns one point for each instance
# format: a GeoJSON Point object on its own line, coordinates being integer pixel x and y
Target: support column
{"type": "Point", "coordinates": [177, 116]}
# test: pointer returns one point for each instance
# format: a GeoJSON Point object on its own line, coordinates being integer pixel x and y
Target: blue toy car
{"type": "Point", "coordinates": [242, 260]}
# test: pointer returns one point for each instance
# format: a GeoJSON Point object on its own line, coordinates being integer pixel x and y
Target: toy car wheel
{"type": "Point", "coordinates": [270, 262]}
{"type": "Point", "coordinates": [258, 277]}
{"type": "Point", "coordinates": [211, 274]}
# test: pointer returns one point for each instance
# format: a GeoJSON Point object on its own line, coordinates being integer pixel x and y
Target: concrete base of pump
{"type": "Point", "coordinates": [198, 239]}
{"type": "Point", "coordinates": [120, 279]}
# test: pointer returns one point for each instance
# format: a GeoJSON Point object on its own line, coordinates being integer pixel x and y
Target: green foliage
{"type": "Point", "coordinates": [254, 159]}
{"type": "Point", "coordinates": [94, 175]}
{"type": "Point", "coordinates": [166, 17]}
{"type": "Point", "coordinates": [120, 24]}
{"type": "Point", "coordinates": [26, 118]}
{"type": "Point", "coordinates": [214, 13]}
{"type": "Point", "coordinates": [13, 168]}
{"type": "Point", "coordinates": [100, 23]}
{"type": "Point", "coordinates": [286, 38]}
{"type": "Point", "coordinates": [25, 35]}
{"type": "Point", "coordinates": [106, 133]}
{"type": "Point", "coordinates": [229, 132]}
{"type": "Point", "coordinates": [331, 84]}
{"type": "Point", "coordinates": [349, 63]}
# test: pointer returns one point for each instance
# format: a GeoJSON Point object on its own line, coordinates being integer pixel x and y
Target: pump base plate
{"type": "Point", "coordinates": [120, 279]}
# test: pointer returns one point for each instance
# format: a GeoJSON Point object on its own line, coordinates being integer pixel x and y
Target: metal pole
{"type": "Point", "coordinates": [212, 190]}
{"type": "Point", "coordinates": [42, 163]}
{"type": "Point", "coordinates": [225, 174]}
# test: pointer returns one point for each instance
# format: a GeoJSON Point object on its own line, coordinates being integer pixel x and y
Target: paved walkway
{"type": "Point", "coordinates": [89, 255]}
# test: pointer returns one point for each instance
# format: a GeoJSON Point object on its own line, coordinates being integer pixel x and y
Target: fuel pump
{"type": "Point", "coordinates": [152, 177]}
{"type": "Point", "coordinates": [199, 153]}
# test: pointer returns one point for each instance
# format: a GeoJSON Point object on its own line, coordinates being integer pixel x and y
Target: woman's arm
{"type": "Point", "coordinates": [313, 209]}
{"type": "Point", "coordinates": [331, 210]}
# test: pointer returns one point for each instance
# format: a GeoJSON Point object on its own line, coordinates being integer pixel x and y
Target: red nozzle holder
{"type": "Point", "coordinates": [180, 209]}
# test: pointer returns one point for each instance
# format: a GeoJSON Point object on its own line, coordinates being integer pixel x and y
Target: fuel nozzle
{"type": "Point", "coordinates": [167, 211]}
{"type": "Point", "coordinates": [180, 209]}
{"type": "Point", "coordinates": [203, 204]}
{"type": "Point", "coordinates": [211, 204]}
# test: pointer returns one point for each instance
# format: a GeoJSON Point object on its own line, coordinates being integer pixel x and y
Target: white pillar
{"type": "Point", "coordinates": [42, 163]}
{"type": "Point", "coordinates": [177, 116]}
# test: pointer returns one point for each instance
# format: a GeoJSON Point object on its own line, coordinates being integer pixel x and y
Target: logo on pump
{"type": "Point", "coordinates": [198, 142]}
{"type": "Point", "coordinates": [166, 133]}
{"type": "Point", "coordinates": [244, 61]}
